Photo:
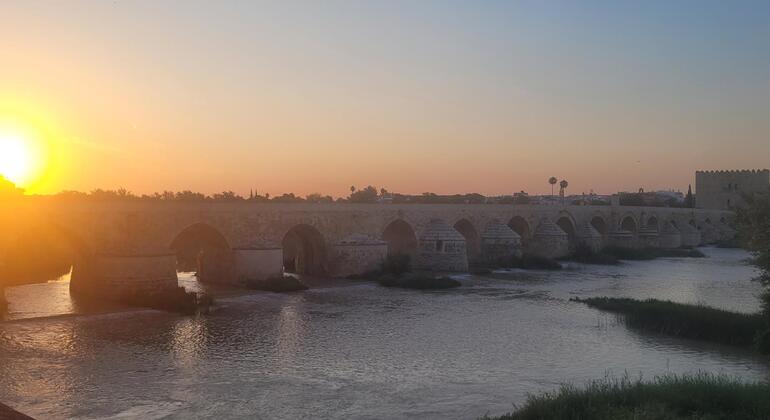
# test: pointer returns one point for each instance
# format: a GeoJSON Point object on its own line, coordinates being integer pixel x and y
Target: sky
{"type": "Point", "coordinates": [443, 96]}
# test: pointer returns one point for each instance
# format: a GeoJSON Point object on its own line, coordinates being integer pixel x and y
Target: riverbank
{"type": "Point", "coordinates": [701, 396]}
{"type": "Point", "coordinates": [695, 322]}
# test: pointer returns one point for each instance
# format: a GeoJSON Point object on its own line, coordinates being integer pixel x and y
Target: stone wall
{"type": "Point", "coordinates": [257, 264]}
{"type": "Point", "coordinates": [118, 276]}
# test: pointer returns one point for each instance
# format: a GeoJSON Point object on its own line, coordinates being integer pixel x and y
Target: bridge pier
{"type": "Point", "coordinates": [588, 236]}
{"type": "Point", "coordinates": [549, 240]}
{"type": "Point", "coordinates": [357, 254]}
{"type": "Point", "coordinates": [255, 263]}
{"type": "Point", "coordinates": [669, 237]}
{"type": "Point", "coordinates": [120, 277]}
{"type": "Point", "coordinates": [622, 238]}
{"type": "Point", "coordinates": [691, 237]}
{"type": "Point", "coordinates": [648, 237]}
{"type": "Point", "coordinates": [499, 242]}
{"type": "Point", "coordinates": [441, 248]}
{"type": "Point", "coordinates": [709, 234]}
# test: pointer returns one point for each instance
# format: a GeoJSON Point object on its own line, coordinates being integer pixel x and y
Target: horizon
{"type": "Point", "coordinates": [490, 98]}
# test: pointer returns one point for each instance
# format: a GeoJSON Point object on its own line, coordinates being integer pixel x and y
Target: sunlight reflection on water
{"type": "Point", "coordinates": [359, 350]}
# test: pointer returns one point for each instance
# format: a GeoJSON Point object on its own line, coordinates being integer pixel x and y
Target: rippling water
{"type": "Point", "coordinates": [361, 351]}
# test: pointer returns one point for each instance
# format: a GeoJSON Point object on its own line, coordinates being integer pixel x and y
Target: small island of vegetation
{"type": "Point", "coordinates": [701, 396]}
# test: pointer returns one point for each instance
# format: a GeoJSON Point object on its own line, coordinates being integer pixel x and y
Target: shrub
{"type": "Point", "coordinates": [700, 396]}
{"type": "Point", "coordinates": [278, 284]}
{"type": "Point", "coordinates": [683, 320]}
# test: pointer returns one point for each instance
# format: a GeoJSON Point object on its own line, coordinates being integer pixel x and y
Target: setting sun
{"type": "Point", "coordinates": [15, 159]}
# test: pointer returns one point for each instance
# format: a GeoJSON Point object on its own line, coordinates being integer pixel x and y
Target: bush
{"type": "Point", "coordinates": [417, 281]}
{"type": "Point", "coordinates": [700, 396]}
{"type": "Point", "coordinates": [683, 320]}
{"type": "Point", "coordinates": [278, 284]}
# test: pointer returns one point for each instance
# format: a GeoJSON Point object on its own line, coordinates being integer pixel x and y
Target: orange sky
{"type": "Point", "coordinates": [491, 98]}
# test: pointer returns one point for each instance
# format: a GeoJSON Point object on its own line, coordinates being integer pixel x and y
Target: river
{"type": "Point", "coordinates": [357, 350]}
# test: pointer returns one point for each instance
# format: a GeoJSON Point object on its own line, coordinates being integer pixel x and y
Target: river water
{"type": "Point", "coordinates": [357, 350]}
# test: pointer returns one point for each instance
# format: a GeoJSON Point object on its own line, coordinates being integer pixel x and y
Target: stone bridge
{"type": "Point", "coordinates": [122, 247]}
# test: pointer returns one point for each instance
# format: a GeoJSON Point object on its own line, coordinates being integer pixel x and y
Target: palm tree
{"type": "Point", "coordinates": [563, 186]}
{"type": "Point", "coordinates": [552, 180]}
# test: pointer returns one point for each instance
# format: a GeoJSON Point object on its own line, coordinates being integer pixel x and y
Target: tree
{"type": "Point", "coordinates": [552, 180]}
{"type": "Point", "coordinates": [366, 195]}
{"type": "Point", "coordinates": [563, 186]}
{"type": "Point", "coordinates": [689, 200]}
{"type": "Point", "coordinates": [754, 231]}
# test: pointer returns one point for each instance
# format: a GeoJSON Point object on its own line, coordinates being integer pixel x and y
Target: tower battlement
{"type": "Point", "coordinates": [725, 189]}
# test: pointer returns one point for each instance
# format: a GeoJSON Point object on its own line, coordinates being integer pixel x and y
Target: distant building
{"type": "Point", "coordinates": [725, 189]}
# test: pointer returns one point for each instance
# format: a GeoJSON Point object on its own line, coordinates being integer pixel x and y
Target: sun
{"type": "Point", "coordinates": [15, 159]}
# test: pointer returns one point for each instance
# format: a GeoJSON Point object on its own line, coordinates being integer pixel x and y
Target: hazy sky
{"type": "Point", "coordinates": [415, 96]}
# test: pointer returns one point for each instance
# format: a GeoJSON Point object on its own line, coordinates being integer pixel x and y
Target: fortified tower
{"type": "Point", "coordinates": [724, 190]}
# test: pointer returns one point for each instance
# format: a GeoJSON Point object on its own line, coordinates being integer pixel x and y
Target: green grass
{"type": "Point", "coordinates": [278, 284]}
{"type": "Point", "coordinates": [623, 253]}
{"type": "Point", "coordinates": [417, 281]}
{"type": "Point", "coordinates": [701, 396]}
{"type": "Point", "coordinates": [683, 320]}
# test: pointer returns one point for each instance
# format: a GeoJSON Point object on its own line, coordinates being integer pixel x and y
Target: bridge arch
{"type": "Point", "coordinates": [520, 225]}
{"type": "Point", "coordinates": [401, 238]}
{"type": "Point", "coordinates": [600, 224]}
{"type": "Point", "coordinates": [567, 224]}
{"type": "Point", "coordinates": [472, 238]}
{"type": "Point", "coordinates": [42, 252]}
{"type": "Point", "coordinates": [203, 249]}
{"type": "Point", "coordinates": [652, 223]}
{"type": "Point", "coordinates": [629, 223]}
{"type": "Point", "coordinates": [304, 251]}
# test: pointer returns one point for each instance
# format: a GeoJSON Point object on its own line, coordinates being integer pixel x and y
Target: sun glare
{"type": "Point", "coordinates": [15, 159]}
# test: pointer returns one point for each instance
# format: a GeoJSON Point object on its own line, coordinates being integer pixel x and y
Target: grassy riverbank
{"type": "Point", "coordinates": [683, 320]}
{"type": "Point", "coordinates": [701, 396]}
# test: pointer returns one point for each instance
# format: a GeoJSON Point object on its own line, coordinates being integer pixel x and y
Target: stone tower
{"type": "Point", "coordinates": [725, 189]}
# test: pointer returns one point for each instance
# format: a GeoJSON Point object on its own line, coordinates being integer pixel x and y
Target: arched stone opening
{"type": "Point", "coordinates": [304, 251]}
{"type": "Point", "coordinates": [600, 225]}
{"type": "Point", "coordinates": [629, 224]}
{"type": "Point", "coordinates": [652, 223]}
{"type": "Point", "coordinates": [42, 253]}
{"type": "Point", "coordinates": [472, 239]}
{"type": "Point", "coordinates": [519, 225]}
{"type": "Point", "coordinates": [565, 223]}
{"type": "Point", "coordinates": [401, 239]}
{"type": "Point", "coordinates": [203, 249]}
